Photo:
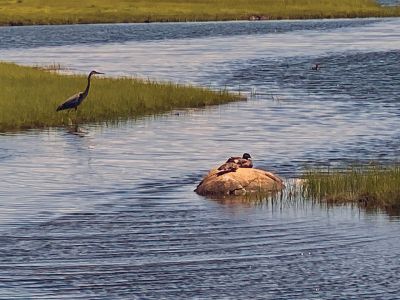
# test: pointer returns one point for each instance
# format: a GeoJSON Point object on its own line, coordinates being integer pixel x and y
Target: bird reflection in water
{"type": "Point", "coordinates": [76, 130]}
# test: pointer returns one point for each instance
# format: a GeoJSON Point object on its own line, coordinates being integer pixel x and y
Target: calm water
{"type": "Point", "coordinates": [389, 2]}
{"type": "Point", "coordinates": [112, 214]}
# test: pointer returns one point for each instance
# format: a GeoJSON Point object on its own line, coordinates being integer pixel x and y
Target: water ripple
{"type": "Point", "coordinates": [63, 35]}
{"type": "Point", "coordinates": [113, 214]}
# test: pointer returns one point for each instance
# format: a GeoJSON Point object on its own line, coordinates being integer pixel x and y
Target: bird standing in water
{"type": "Point", "coordinates": [74, 101]}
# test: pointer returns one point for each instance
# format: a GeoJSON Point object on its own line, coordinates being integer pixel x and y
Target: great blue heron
{"type": "Point", "coordinates": [75, 100]}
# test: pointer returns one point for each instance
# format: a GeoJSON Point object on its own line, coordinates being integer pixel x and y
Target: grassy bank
{"type": "Point", "coordinates": [23, 12]}
{"type": "Point", "coordinates": [30, 96]}
{"type": "Point", "coordinates": [368, 186]}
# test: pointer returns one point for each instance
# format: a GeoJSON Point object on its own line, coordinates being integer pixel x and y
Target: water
{"type": "Point", "coordinates": [112, 213]}
{"type": "Point", "coordinates": [389, 2]}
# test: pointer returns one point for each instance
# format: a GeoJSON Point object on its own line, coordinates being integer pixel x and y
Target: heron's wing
{"type": "Point", "coordinates": [74, 97]}
{"type": "Point", "coordinates": [71, 102]}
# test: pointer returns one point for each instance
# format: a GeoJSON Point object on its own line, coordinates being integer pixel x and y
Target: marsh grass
{"type": "Point", "coordinates": [22, 12]}
{"type": "Point", "coordinates": [30, 96]}
{"type": "Point", "coordinates": [372, 187]}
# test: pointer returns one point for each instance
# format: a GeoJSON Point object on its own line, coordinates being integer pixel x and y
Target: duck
{"type": "Point", "coordinates": [316, 67]}
{"type": "Point", "coordinates": [242, 162]}
{"type": "Point", "coordinates": [235, 162]}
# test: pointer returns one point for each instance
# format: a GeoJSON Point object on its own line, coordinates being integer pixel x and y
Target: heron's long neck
{"type": "Point", "coordinates": [88, 86]}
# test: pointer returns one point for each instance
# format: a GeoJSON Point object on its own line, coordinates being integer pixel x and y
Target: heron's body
{"type": "Point", "coordinates": [74, 101]}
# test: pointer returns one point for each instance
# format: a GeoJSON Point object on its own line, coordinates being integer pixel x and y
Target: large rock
{"type": "Point", "coordinates": [243, 181]}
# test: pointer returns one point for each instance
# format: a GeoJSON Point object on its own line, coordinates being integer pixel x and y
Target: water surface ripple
{"type": "Point", "coordinates": [62, 35]}
{"type": "Point", "coordinates": [111, 214]}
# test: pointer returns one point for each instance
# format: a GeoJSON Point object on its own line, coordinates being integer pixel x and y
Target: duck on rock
{"type": "Point", "coordinates": [235, 162]}
{"type": "Point", "coordinates": [238, 177]}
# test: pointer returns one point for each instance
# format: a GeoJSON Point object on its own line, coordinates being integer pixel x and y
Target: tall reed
{"type": "Point", "coordinates": [374, 186]}
{"type": "Point", "coordinates": [29, 97]}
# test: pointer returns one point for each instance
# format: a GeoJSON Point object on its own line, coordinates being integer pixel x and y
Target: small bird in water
{"type": "Point", "coordinates": [234, 163]}
{"type": "Point", "coordinates": [316, 67]}
{"type": "Point", "coordinates": [74, 101]}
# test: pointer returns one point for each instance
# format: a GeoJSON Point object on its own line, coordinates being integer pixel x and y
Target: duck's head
{"type": "Point", "coordinates": [246, 156]}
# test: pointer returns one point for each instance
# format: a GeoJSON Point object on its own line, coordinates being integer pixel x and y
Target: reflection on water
{"type": "Point", "coordinates": [111, 213]}
{"type": "Point", "coordinates": [76, 129]}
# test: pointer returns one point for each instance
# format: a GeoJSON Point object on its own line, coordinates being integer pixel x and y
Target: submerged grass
{"type": "Point", "coordinates": [373, 187]}
{"type": "Point", "coordinates": [29, 98]}
{"type": "Point", "coordinates": [23, 12]}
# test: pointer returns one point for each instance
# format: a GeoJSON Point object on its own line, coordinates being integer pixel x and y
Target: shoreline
{"type": "Point", "coordinates": [205, 21]}
{"type": "Point", "coordinates": [19, 24]}
{"type": "Point", "coordinates": [34, 12]}
{"type": "Point", "coordinates": [36, 93]}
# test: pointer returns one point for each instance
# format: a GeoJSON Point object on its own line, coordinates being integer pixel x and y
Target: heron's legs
{"type": "Point", "coordinates": [69, 118]}
{"type": "Point", "coordinates": [76, 116]}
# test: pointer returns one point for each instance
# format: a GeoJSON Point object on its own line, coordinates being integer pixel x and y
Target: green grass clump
{"type": "Point", "coordinates": [29, 98]}
{"type": "Point", "coordinates": [374, 187]}
{"type": "Point", "coordinates": [22, 12]}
